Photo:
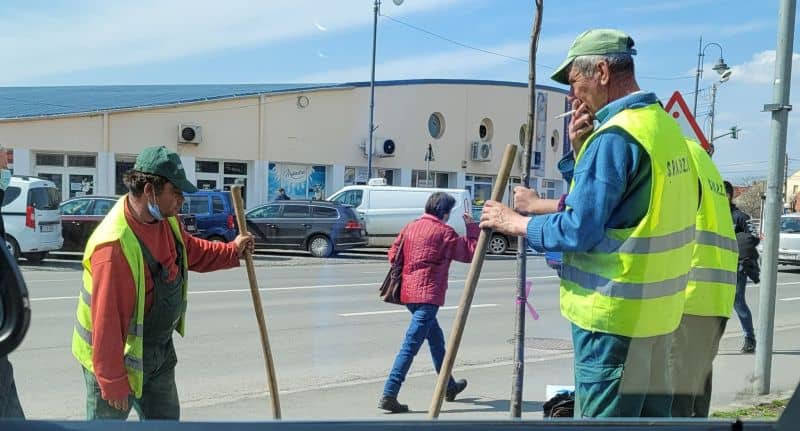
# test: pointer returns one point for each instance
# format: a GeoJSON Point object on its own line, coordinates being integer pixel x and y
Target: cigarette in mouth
{"type": "Point", "coordinates": [564, 115]}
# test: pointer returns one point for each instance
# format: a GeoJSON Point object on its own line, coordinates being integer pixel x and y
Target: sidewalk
{"type": "Point", "coordinates": [488, 393]}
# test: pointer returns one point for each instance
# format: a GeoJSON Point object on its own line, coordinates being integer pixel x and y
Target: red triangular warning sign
{"type": "Point", "coordinates": [678, 109]}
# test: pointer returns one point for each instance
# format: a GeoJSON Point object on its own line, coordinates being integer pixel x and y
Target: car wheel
{"type": "Point", "coordinates": [498, 244]}
{"type": "Point", "coordinates": [320, 246]}
{"type": "Point", "coordinates": [215, 238]}
{"type": "Point", "coordinates": [35, 258]}
{"type": "Point", "coordinates": [13, 247]}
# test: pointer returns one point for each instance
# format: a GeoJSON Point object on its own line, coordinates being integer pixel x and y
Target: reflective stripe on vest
{"type": "Point", "coordinates": [712, 284]}
{"type": "Point", "coordinates": [633, 282]}
{"type": "Point", "coordinates": [114, 227]}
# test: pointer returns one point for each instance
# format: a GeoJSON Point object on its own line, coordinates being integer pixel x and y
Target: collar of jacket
{"type": "Point", "coordinates": [431, 217]}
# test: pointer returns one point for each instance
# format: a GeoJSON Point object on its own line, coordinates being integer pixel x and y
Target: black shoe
{"type": "Point", "coordinates": [749, 345]}
{"type": "Point", "coordinates": [391, 405]}
{"type": "Point", "coordinates": [461, 384]}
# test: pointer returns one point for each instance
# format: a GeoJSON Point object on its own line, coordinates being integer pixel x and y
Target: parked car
{"type": "Point", "coordinates": [385, 210]}
{"type": "Point", "coordinates": [213, 210]}
{"type": "Point", "coordinates": [31, 217]}
{"type": "Point", "coordinates": [499, 243]}
{"type": "Point", "coordinates": [323, 228]}
{"type": "Point", "coordinates": [80, 216]}
{"type": "Point", "coordinates": [789, 242]}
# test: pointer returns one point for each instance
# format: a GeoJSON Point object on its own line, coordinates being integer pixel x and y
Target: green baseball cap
{"type": "Point", "coordinates": [163, 162]}
{"type": "Point", "coordinates": [599, 41]}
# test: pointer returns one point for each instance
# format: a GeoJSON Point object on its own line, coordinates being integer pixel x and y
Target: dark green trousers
{"type": "Point", "coordinates": [159, 394]}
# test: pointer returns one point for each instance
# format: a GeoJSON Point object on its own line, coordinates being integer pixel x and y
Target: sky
{"type": "Point", "coordinates": [104, 42]}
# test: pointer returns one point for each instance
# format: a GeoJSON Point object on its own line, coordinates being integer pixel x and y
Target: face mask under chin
{"type": "Point", "coordinates": [154, 210]}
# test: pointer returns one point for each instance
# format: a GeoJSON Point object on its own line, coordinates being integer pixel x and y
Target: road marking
{"type": "Point", "coordinates": [291, 288]}
{"type": "Point", "coordinates": [53, 298]}
{"type": "Point", "coordinates": [796, 298]}
{"type": "Point", "coordinates": [402, 310]}
{"type": "Point", "coordinates": [787, 284]}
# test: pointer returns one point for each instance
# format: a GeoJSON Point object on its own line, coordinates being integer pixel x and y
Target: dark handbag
{"type": "Point", "coordinates": [390, 289]}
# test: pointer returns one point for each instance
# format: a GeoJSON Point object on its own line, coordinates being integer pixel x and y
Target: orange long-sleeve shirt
{"type": "Point", "coordinates": [114, 294]}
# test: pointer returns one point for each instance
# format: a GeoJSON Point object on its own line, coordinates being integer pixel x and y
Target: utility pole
{"type": "Point", "coordinates": [697, 76]}
{"type": "Point", "coordinates": [376, 11]}
{"type": "Point", "coordinates": [779, 109]}
{"type": "Point", "coordinates": [713, 113]}
{"type": "Point", "coordinates": [518, 379]}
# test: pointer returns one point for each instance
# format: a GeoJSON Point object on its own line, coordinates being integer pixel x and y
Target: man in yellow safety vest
{"type": "Point", "coordinates": [626, 231]}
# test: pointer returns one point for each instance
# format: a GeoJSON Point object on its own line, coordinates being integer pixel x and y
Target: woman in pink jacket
{"type": "Point", "coordinates": [429, 245]}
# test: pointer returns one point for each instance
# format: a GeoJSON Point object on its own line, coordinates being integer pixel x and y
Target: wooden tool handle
{"type": "Point", "coordinates": [238, 205]}
{"type": "Point", "coordinates": [469, 289]}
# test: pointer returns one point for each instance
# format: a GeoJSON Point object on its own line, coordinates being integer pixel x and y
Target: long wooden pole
{"type": "Point", "coordinates": [272, 379]}
{"type": "Point", "coordinates": [469, 289]}
{"type": "Point", "coordinates": [518, 377]}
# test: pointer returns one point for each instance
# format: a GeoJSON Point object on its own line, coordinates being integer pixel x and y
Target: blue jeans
{"type": "Point", "coordinates": [617, 376]}
{"type": "Point", "coordinates": [740, 305]}
{"type": "Point", "coordinates": [423, 326]}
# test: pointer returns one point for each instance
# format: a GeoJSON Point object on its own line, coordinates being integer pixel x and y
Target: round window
{"type": "Point", "coordinates": [436, 125]}
{"type": "Point", "coordinates": [485, 130]}
{"type": "Point", "coordinates": [554, 140]}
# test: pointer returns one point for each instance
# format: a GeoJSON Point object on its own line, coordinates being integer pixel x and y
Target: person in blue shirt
{"type": "Point", "coordinates": [611, 190]}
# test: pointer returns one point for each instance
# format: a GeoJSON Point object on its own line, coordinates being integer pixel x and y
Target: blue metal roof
{"type": "Point", "coordinates": [32, 102]}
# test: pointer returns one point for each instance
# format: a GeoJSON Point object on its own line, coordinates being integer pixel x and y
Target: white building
{"type": "Point", "coordinates": [308, 139]}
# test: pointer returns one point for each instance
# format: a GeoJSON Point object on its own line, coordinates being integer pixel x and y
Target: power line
{"type": "Point", "coordinates": [455, 42]}
{"type": "Point", "coordinates": [487, 51]}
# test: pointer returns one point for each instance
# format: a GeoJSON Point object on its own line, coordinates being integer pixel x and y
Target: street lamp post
{"type": "Point", "coordinates": [376, 12]}
{"type": "Point", "coordinates": [721, 67]}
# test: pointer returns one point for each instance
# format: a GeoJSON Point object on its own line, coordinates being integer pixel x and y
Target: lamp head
{"type": "Point", "coordinates": [721, 67]}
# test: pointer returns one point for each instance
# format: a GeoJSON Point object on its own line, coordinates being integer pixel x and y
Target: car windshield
{"type": "Point", "coordinates": [790, 224]}
{"type": "Point", "coordinates": [358, 137]}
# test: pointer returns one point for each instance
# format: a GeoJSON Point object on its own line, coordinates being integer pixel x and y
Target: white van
{"type": "Point", "coordinates": [31, 218]}
{"type": "Point", "coordinates": [385, 210]}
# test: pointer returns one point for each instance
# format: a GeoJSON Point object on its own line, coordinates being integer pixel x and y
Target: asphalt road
{"type": "Point", "coordinates": [334, 341]}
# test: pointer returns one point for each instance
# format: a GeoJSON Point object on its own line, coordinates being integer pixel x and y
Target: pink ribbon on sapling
{"type": "Point", "coordinates": [528, 288]}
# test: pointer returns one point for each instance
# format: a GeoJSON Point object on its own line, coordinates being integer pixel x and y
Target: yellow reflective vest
{"type": "Point", "coordinates": [632, 283]}
{"type": "Point", "coordinates": [114, 227]}
{"type": "Point", "coordinates": [712, 282]}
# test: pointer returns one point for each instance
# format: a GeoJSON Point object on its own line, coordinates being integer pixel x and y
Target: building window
{"type": "Point", "coordinates": [72, 174]}
{"type": "Point", "coordinates": [355, 175]}
{"type": "Point", "coordinates": [485, 130]}
{"type": "Point", "coordinates": [123, 165]}
{"type": "Point", "coordinates": [479, 187]}
{"type": "Point", "coordinates": [550, 189]}
{"type": "Point", "coordinates": [209, 176]}
{"type": "Point", "coordinates": [358, 175]}
{"type": "Point", "coordinates": [389, 175]}
{"type": "Point", "coordinates": [436, 125]}
{"type": "Point", "coordinates": [235, 168]}
{"type": "Point", "coordinates": [439, 180]}
{"type": "Point", "coordinates": [46, 159]}
{"type": "Point", "coordinates": [206, 167]}
{"type": "Point", "coordinates": [81, 161]}
{"type": "Point", "coordinates": [554, 140]}
{"type": "Point", "coordinates": [299, 181]}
